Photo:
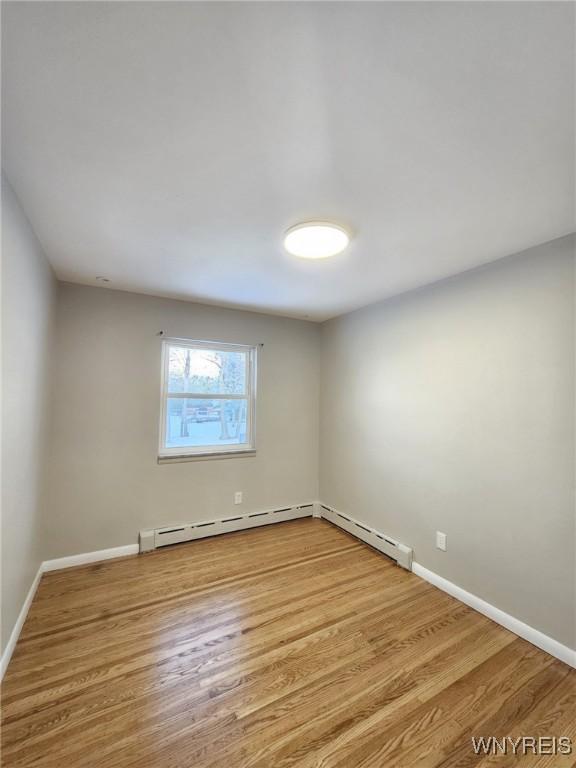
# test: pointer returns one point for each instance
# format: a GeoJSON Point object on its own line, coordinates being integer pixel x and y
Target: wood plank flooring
{"type": "Point", "coordinates": [289, 645]}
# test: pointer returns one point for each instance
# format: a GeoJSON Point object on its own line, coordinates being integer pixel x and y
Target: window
{"type": "Point", "coordinates": [208, 398]}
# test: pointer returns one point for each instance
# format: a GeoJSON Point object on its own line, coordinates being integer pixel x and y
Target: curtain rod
{"type": "Point", "coordinates": [232, 343]}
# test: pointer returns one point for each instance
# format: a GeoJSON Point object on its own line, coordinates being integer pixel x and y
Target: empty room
{"type": "Point", "coordinates": [288, 384]}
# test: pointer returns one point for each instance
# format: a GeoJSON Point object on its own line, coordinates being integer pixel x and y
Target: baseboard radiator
{"type": "Point", "coordinates": [154, 538]}
{"type": "Point", "coordinates": [388, 546]}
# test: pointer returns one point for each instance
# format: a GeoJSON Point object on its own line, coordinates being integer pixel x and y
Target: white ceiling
{"type": "Point", "coordinates": [167, 146]}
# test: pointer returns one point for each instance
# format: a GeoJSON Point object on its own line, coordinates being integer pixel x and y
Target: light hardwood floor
{"type": "Point", "coordinates": [290, 645]}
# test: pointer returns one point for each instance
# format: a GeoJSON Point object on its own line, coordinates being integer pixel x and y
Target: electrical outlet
{"type": "Point", "coordinates": [441, 541]}
{"type": "Point", "coordinates": [238, 497]}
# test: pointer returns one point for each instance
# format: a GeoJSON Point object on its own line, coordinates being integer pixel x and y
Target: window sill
{"type": "Point", "coordinates": [206, 456]}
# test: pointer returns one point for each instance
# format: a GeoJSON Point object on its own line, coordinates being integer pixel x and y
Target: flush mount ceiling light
{"type": "Point", "coordinates": [316, 240]}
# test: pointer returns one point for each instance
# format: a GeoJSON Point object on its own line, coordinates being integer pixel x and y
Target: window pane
{"type": "Point", "coordinates": [205, 423]}
{"type": "Point", "coordinates": [206, 371]}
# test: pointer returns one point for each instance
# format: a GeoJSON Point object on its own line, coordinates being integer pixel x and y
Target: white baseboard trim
{"type": "Point", "coordinates": [89, 557]}
{"type": "Point", "coordinates": [534, 636]}
{"type": "Point", "coordinates": [56, 565]}
{"type": "Point", "coordinates": [15, 634]}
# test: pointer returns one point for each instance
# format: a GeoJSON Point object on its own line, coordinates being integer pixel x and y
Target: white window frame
{"type": "Point", "coordinates": [200, 451]}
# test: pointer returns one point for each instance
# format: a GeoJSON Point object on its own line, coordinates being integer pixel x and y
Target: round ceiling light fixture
{"type": "Point", "coordinates": [316, 240]}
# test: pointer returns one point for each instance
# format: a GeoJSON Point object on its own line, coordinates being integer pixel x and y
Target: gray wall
{"type": "Point", "coordinates": [28, 303]}
{"type": "Point", "coordinates": [452, 409]}
{"type": "Point", "coordinates": [105, 483]}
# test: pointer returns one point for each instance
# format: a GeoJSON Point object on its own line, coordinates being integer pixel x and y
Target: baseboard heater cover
{"type": "Point", "coordinates": [154, 538]}
{"type": "Point", "coordinates": [385, 544]}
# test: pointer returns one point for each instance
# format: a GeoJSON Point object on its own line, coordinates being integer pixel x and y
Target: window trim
{"type": "Point", "coordinates": [182, 453]}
